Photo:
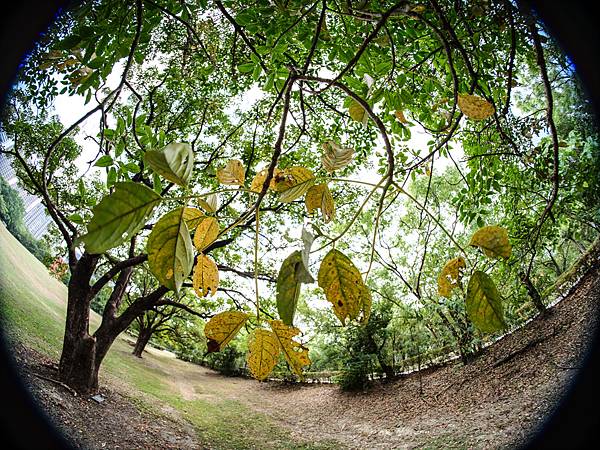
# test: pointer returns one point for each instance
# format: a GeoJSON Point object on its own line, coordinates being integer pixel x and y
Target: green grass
{"type": "Point", "coordinates": [32, 310]}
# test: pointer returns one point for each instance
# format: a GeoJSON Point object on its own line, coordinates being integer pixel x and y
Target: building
{"type": "Point", "coordinates": [36, 218]}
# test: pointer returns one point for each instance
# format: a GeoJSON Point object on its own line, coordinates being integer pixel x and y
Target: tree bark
{"type": "Point", "coordinates": [536, 298]}
{"type": "Point", "coordinates": [82, 353]}
{"type": "Point", "coordinates": [142, 340]}
{"type": "Point", "coordinates": [77, 360]}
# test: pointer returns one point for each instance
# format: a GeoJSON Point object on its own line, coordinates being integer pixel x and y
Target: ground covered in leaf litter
{"type": "Point", "coordinates": [498, 401]}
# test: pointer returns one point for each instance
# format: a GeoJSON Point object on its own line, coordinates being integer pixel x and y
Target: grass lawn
{"type": "Point", "coordinates": [32, 310]}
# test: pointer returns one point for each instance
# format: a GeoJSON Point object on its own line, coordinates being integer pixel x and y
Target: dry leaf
{"type": "Point", "coordinates": [475, 107]}
{"type": "Point", "coordinates": [293, 182]}
{"type": "Point", "coordinates": [222, 328]}
{"type": "Point", "coordinates": [319, 197]}
{"type": "Point", "coordinates": [232, 173]}
{"type": "Point", "coordinates": [210, 203]}
{"type": "Point", "coordinates": [206, 233]}
{"type": "Point", "coordinates": [295, 353]}
{"type": "Point", "coordinates": [358, 113]}
{"type": "Point", "coordinates": [400, 116]}
{"type": "Point", "coordinates": [263, 353]}
{"type": "Point", "coordinates": [335, 157]}
{"type": "Point", "coordinates": [450, 276]}
{"type": "Point", "coordinates": [206, 276]}
{"type": "Point", "coordinates": [344, 287]}
{"type": "Point", "coordinates": [259, 180]}
{"type": "Point", "coordinates": [493, 240]}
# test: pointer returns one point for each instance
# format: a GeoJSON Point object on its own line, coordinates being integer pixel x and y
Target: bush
{"type": "Point", "coordinates": [355, 374]}
{"type": "Point", "coordinates": [226, 362]}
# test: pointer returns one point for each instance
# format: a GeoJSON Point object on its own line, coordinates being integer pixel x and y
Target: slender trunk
{"type": "Point", "coordinates": [142, 340]}
{"type": "Point", "coordinates": [536, 298]}
{"type": "Point", "coordinates": [461, 341]}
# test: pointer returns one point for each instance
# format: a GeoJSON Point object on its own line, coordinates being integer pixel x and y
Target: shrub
{"type": "Point", "coordinates": [227, 361]}
{"type": "Point", "coordinates": [355, 374]}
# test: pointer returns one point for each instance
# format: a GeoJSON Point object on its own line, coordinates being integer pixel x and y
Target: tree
{"type": "Point", "coordinates": [232, 114]}
{"type": "Point", "coordinates": [12, 213]}
{"type": "Point", "coordinates": [157, 320]}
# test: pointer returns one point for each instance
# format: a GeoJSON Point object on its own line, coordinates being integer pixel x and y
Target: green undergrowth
{"type": "Point", "coordinates": [566, 280]}
{"type": "Point", "coordinates": [32, 310]}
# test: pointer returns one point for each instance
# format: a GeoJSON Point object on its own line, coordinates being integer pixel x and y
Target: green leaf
{"type": "Point", "coordinates": [357, 112]}
{"type": "Point", "coordinates": [344, 287]}
{"type": "Point", "coordinates": [175, 162]}
{"type": "Point", "coordinates": [132, 167]}
{"type": "Point", "coordinates": [81, 187]}
{"type": "Point", "coordinates": [288, 287]}
{"type": "Point", "coordinates": [76, 218]}
{"type": "Point", "coordinates": [104, 161]}
{"type": "Point", "coordinates": [170, 250]}
{"type": "Point", "coordinates": [68, 43]}
{"type": "Point", "coordinates": [119, 216]}
{"type": "Point", "coordinates": [246, 67]}
{"type": "Point", "coordinates": [111, 177]}
{"type": "Point", "coordinates": [483, 303]}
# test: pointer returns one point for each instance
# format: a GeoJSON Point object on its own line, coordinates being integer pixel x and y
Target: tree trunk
{"type": "Point", "coordinates": [78, 368]}
{"type": "Point", "coordinates": [387, 369]}
{"type": "Point", "coordinates": [536, 298]}
{"type": "Point", "coordinates": [82, 353]}
{"type": "Point", "coordinates": [77, 361]}
{"type": "Point", "coordinates": [142, 340]}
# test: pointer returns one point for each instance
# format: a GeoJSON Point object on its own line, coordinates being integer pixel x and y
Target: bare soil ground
{"type": "Point", "coordinates": [497, 401]}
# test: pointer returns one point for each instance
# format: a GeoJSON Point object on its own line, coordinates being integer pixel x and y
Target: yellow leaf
{"type": "Point", "coordinates": [222, 328]}
{"type": "Point", "coordinates": [475, 107]}
{"type": "Point", "coordinates": [263, 353]}
{"type": "Point", "coordinates": [206, 233]}
{"type": "Point", "coordinates": [293, 182]}
{"type": "Point", "coordinates": [295, 353]}
{"type": "Point", "coordinates": [493, 240]}
{"type": "Point", "coordinates": [419, 9]}
{"type": "Point", "coordinates": [400, 116]}
{"type": "Point", "coordinates": [259, 180]}
{"type": "Point", "coordinates": [358, 113]}
{"type": "Point", "coordinates": [450, 276]}
{"type": "Point", "coordinates": [335, 157]}
{"type": "Point", "coordinates": [192, 217]}
{"type": "Point", "coordinates": [344, 287]}
{"type": "Point", "coordinates": [206, 276]}
{"type": "Point", "coordinates": [319, 197]}
{"type": "Point", "coordinates": [209, 203]}
{"type": "Point", "coordinates": [232, 173]}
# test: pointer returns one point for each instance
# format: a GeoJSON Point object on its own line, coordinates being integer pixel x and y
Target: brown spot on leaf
{"type": "Point", "coordinates": [212, 346]}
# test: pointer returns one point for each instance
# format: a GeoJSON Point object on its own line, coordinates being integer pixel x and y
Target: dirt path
{"type": "Point", "coordinates": [498, 401]}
